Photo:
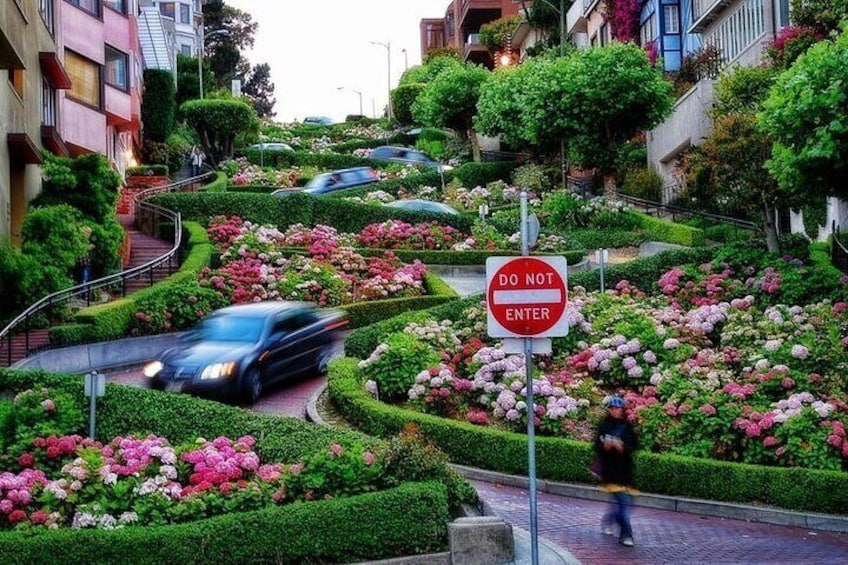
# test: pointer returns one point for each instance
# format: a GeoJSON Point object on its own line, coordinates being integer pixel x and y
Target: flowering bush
{"type": "Point", "coordinates": [68, 481]}
{"type": "Point", "coordinates": [241, 173]}
{"type": "Point", "coordinates": [711, 365]}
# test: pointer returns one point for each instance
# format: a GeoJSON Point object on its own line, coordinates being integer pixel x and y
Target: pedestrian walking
{"type": "Point", "coordinates": [197, 157]}
{"type": "Point", "coordinates": [614, 445]}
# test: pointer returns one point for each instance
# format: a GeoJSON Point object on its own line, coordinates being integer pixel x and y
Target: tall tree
{"type": "Point", "coordinates": [260, 90]}
{"type": "Point", "coordinates": [188, 85]}
{"type": "Point", "coordinates": [805, 113]}
{"type": "Point", "coordinates": [218, 122]}
{"type": "Point", "coordinates": [224, 51]}
{"type": "Point", "coordinates": [450, 101]}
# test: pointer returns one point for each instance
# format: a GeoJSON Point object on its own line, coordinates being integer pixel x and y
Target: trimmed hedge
{"type": "Point", "coordinates": [440, 257]}
{"type": "Point", "coordinates": [409, 519]}
{"type": "Point", "coordinates": [287, 159]}
{"type": "Point", "coordinates": [218, 185]}
{"type": "Point", "coordinates": [402, 139]}
{"type": "Point", "coordinates": [669, 232]}
{"type": "Point", "coordinates": [104, 322]}
{"type": "Point", "coordinates": [351, 217]}
{"type": "Point", "coordinates": [566, 460]}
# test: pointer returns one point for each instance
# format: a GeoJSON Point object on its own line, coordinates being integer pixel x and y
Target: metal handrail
{"type": "Point", "coordinates": [838, 252]}
{"type": "Point", "coordinates": [651, 205]}
{"type": "Point", "coordinates": [62, 296]}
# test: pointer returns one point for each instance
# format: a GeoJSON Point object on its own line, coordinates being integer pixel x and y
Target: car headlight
{"type": "Point", "coordinates": [152, 369]}
{"type": "Point", "coordinates": [218, 371]}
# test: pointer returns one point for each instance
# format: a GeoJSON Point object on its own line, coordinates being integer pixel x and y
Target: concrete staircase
{"type": "Point", "coordinates": [143, 248]}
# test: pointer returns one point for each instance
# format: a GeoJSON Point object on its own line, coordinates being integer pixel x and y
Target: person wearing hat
{"type": "Point", "coordinates": [614, 445]}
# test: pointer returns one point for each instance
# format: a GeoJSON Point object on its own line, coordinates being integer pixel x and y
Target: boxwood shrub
{"type": "Point", "coordinates": [218, 185]}
{"type": "Point", "coordinates": [670, 232]}
{"type": "Point", "coordinates": [566, 460]}
{"type": "Point", "coordinates": [439, 257]}
{"type": "Point", "coordinates": [409, 519]}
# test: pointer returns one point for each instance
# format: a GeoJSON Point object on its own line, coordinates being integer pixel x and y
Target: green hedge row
{"type": "Point", "coordinates": [409, 519]}
{"type": "Point", "coordinates": [104, 322]}
{"type": "Point", "coordinates": [669, 232]}
{"type": "Point", "coordinates": [287, 159]}
{"type": "Point", "coordinates": [219, 184]}
{"type": "Point", "coordinates": [439, 257]}
{"type": "Point", "coordinates": [401, 139]}
{"type": "Point", "coordinates": [565, 460]}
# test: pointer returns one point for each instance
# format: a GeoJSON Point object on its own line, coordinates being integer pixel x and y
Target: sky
{"type": "Point", "coordinates": [316, 46]}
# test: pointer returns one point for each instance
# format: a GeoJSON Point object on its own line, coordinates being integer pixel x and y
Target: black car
{"type": "Point", "coordinates": [335, 180]}
{"type": "Point", "coordinates": [237, 351]}
{"type": "Point", "coordinates": [407, 155]}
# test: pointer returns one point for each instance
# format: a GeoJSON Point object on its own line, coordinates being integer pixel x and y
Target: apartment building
{"type": "Point", "coordinates": [101, 111]}
{"type": "Point", "coordinates": [460, 27]}
{"type": "Point", "coordinates": [33, 75]}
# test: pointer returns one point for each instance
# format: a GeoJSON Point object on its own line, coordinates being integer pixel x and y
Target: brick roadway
{"type": "Point", "coordinates": [662, 536]}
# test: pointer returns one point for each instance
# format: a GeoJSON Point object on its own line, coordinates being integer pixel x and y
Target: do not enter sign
{"type": "Point", "coordinates": [526, 296]}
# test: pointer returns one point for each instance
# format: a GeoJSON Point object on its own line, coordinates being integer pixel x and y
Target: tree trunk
{"type": "Point", "coordinates": [610, 186]}
{"type": "Point", "coordinates": [475, 145]}
{"type": "Point", "coordinates": [770, 226]}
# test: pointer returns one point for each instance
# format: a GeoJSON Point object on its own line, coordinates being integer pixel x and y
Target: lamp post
{"type": "Point", "coordinates": [360, 97]}
{"type": "Point", "coordinates": [388, 46]}
{"type": "Point", "coordinates": [405, 59]}
{"type": "Point", "coordinates": [200, 55]}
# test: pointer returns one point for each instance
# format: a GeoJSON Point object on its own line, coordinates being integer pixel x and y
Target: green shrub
{"type": "Point", "coordinates": [565, 460]}
{"type": "Point", "coordinates": [397, 365]}
{"type": "Point", "coordinates": [218, 185]}
{"type": "Point", "coordinates": [795, 245]}
{"type": "Point", "coordinates": [645, 183]}
{"type": "Point", "coordinates": [159, 104]}
{"type": "Point", "coordinates": [608, 239]}
{"type": "Point", "coordinates": [178, 309]}
{"type": "Point", "coordinates": [56, 236]}
{"type": "Point", "coordinates": [402, 98]}
{"type": "Point", "coordinates": [24, 280]}
{"type": "Point", "coordinates": [531, 177]}
{"type": "Point", "coordinates": [481, 174]}
{"type": "Point", "coordinates": [147, 171]}
{"type": "Point", "coordinates": [662, 230]}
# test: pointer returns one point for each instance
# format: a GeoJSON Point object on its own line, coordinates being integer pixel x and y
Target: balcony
{"type": "Point", "coordinates": [467, 6]}
{"type": "Point", "coordinates": [83, 128]}
{"type": "Point", "coordinates": [575, 21]}
{"type": "Point", "coordinates": [704, 12]}
{"type": "Point", "coordinates": [118, 106]}
{"type": "Point", "coordinates": [475, 51]}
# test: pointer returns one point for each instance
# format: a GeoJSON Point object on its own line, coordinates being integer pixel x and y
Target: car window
{"type": "Point", "coordinates": [318, 181]}
{"type": "Point", "coordinates": [241, 329]}
{"type": "Point", "coordinates": [286, 323]}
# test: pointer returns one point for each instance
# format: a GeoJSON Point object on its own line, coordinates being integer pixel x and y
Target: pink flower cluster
{"type": "Point", "coordinates": [223, 464]}
{"type": "Point", "coordinates": [17, 491]}
{"type": "Point", "coordinates": [394, 234]}
{"type": "Point", "coordinates": [131, 456]}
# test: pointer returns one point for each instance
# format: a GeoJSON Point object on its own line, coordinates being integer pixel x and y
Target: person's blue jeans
{"type": "Point", "coordinates": [619, 513]}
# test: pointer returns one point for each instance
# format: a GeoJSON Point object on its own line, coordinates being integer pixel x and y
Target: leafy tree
{"type": "Point", "coordinates": [595, 100]}
{"type": "Point", "coordinates": [224, 51]}
{"type": "Point", "coordinates": [824, 16]}
{"type": "Point", "coordinates": [56, 235]}
{"type": "Point", "coordinates": [403, 97]}
{"type": "Point", "coordinates": [439, 52]}
{"type": "Point", "coordinates": [450, 101]}
{"type": "Point", "coordinates": [497, 35]}
{"type": "Point", "coordinates": [426, 73]}
{"type": "Point", "coordinates": [805, 115]}
{"type": "Point", "coordinates": [188, 86]}
{"type": "Point", "coordinates": [260, 90]}
{"type": "Point", "coordinates": [217, 123]}
{"type": "Point", "coordinates": [158, 104]}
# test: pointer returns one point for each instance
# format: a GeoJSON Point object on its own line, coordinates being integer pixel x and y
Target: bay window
{"type": "Point", "coordinates": [85, 79]}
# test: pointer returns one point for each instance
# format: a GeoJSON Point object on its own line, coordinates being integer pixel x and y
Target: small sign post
{"type": "Point", "coordinates": [526, 298]}
{"type": "Point", "coordinates": [95, 386]}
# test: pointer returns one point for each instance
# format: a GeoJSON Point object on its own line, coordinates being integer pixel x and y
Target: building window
{"type": "Point", "coordinates": [672, 19]}
{"type": "Point", "coordinates": [602, 34]}
{"type": "Point", "coordinates": [116, 69]}
{"type": "Point", "coordinates": [85, 79]}
{"type": "Point", "coordinates": [90, 6]}
{"type": "Point", "coordinates": [45, 8]}
{"type": "Point", "coordinates": [648, 30]}
{"type": "Point", "coordinates": [17, 80]}
{"type": "Point", "coordinates": [48, 104]}
{"type": "Point", "coordinates": [117, 5]}
{"type": "Point", "coordinates": [185, 50]}
{"type": "Point", "coordinates": [167, 9]}
{"type": "Point", "coordinates": [185, 14]}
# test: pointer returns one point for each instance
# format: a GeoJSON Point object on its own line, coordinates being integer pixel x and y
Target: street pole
{"type": "Point", "coordinates": [388, 46]}
{"type": "Point", "coordinates": [200, 65]}
{"type": "Point", "coordinates": [531, 411]}
{"type": "Point", "coordinates": [405, 59]}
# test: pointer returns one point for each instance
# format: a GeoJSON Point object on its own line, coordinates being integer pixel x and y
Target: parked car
{"type": "Point", "coordinates": [407, 155]}
{"type": "Point", "coordinates": [335, 180]}
{"type": "Point", "coordinates": [238, 351]}
{"type": "Point", "coordinates": [423, 206]}
{"type": "Point", "coordinates": [318, 121]}
{"type": "Point", "coordinates": [275, 146]}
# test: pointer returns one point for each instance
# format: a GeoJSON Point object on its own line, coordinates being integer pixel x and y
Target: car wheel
{"type": "Point", "coordinates": [252, 385]}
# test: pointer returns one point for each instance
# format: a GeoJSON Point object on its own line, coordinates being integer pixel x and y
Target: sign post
{"type": "Point", "coordinates": [94, 386]}
{"type": "Point", "coordinates": [526, 298]}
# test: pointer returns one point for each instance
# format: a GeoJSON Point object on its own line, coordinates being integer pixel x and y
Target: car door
{"type": "Point", "coordinates": [277, 358]}
{"type": "Point", "coordinates": [306, 341]}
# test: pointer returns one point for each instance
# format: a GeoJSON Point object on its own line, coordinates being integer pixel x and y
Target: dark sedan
{"type": "Point", "coordinates": [238, 351]}
{"type": "Point", "coordinates": [407, 155]}
{"type": "Point", "coordinates": [335, 180]}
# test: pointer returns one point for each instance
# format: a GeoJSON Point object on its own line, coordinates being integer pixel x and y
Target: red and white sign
{"type": "Point", "coordinates": [526, 296]}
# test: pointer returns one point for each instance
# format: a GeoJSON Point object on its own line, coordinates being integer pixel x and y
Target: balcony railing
{"type": "Point", "coordinates": [706, 11]}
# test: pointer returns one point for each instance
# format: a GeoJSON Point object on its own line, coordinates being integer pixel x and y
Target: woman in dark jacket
{"type": "Point", "coordinates": [614, 445]}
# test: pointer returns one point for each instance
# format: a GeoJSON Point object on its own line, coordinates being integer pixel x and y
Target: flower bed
{"type": "Point", "coordinates": [50, 480]}
{"type": "Point", "coordinates": [712, 364]}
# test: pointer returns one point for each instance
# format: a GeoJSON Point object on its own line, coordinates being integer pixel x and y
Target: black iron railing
{"type": "Point", "coordinates": [675, 212]}
{"type": "Point", "coordinates": [148, 218]}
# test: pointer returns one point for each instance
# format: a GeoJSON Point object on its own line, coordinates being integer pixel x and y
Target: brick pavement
{"type": "Point", "coordinates": [662, 536]}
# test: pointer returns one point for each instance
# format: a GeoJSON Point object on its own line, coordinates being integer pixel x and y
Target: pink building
{"type": "Point", "coordinates": [101, 112]}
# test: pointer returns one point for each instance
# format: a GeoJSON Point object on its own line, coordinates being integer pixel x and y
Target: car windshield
{"type": "Point", "coordinates": [317, 181]}
{"type": "Point", "coordinates": [242, 329]}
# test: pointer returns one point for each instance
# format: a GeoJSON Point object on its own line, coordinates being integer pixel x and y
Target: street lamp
{"type": "Point", "coordinates": [360, 97]}
{"type": "Point", "coordinates": [388, 46]}
{"type": "Point", "coordinates": [405, 59]}
{"type": "Point", "coordinates": [200, 55]}
{"type": "Point", "coordinates": [561, 13]}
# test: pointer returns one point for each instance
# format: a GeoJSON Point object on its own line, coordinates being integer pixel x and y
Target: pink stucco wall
{"type": "Point", "coordinates": [83, 126]}
{"type": "Point", "coordinates": [117, 103]}
{"type": "Point", "coordinates": [117, 30]}
{"type": "Point", "coordinates": [82, 32]}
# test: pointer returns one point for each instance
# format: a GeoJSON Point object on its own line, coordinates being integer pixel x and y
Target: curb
{"type": "Point", "coordinates": [760, 514]}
